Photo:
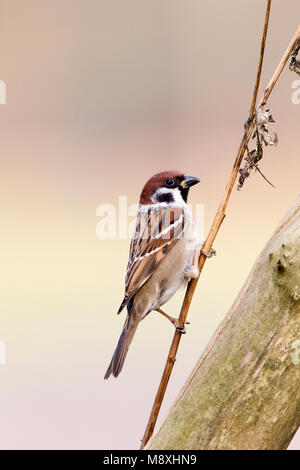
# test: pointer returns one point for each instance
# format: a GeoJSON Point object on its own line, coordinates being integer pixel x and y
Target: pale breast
{"type": "Point", "coordinates": [169, 276]}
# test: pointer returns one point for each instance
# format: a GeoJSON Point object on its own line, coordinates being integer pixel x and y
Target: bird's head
{"type": "Point", "coordinates": [167, 186]}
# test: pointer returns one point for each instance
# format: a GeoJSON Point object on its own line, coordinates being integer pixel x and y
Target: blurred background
{"type": "Point", "coordinates": [101, 95]}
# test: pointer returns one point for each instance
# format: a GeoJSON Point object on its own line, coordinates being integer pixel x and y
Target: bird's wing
{"type": "Point", "coordinates": [157, 231]}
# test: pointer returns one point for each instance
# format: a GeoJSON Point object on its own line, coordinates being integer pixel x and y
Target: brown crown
{"type": "Point", "coordinates": [155, 182]}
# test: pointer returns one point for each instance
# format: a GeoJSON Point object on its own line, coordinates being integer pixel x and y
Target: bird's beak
{"type": "Point", "coordinates": [189, 181]}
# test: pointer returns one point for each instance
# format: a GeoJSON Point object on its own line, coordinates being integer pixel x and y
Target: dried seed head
{"type": "Point", "coordinates": [264, 136]}
{"type": "Point", "coordinates": [294, 63]}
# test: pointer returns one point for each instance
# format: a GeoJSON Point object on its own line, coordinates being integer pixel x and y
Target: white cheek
{"type": "Point", "coordinates": [177, 198]}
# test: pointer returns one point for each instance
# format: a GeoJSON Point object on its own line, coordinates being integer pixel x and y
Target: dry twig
{"type": "Point", "coordinates": [216, 224]}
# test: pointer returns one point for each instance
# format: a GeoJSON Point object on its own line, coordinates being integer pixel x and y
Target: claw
{"type": "Point", "coordinates": [208, 254]}
{"type": "Point", "coordinates": [181, 329]}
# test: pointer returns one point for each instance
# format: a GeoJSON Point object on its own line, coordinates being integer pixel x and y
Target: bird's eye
{"type": "Point", "coordinates": [169, 182]}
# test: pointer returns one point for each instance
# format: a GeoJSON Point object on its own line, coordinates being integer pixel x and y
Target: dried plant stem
{"type": "Point", "coordinates": [261, 58]}
{"type": "Point", "coordinates": [214, 230]}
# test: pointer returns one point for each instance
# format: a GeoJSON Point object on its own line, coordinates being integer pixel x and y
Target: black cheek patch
{"type": "Point", "coordinates": [184, 193]}
{"type": "Point", "coordinates": [165, 197]}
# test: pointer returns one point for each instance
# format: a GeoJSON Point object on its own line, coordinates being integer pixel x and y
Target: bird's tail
{"type": "Point", "coordinates": [117, 361]}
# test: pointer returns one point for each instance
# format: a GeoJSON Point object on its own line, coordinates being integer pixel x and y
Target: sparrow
{"type": "Point", "coordinates": [163, 256]}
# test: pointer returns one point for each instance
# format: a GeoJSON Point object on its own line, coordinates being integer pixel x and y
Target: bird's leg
{"type": "Point", "coordinates": [174, 321]}
{"type": "Point", "coordinates": [191, 271]}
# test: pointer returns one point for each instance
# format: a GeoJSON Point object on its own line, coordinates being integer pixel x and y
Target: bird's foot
{"type": "Point", "coordinates": [174, 321]}
{"type": "Point", "coordinates": [208, 254]}
{"type": "Point", "coordinates": [181, 329]}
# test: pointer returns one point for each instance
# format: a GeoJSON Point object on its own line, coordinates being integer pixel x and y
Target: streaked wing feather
{"type": "Point", "coordinates": [157, 231]}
